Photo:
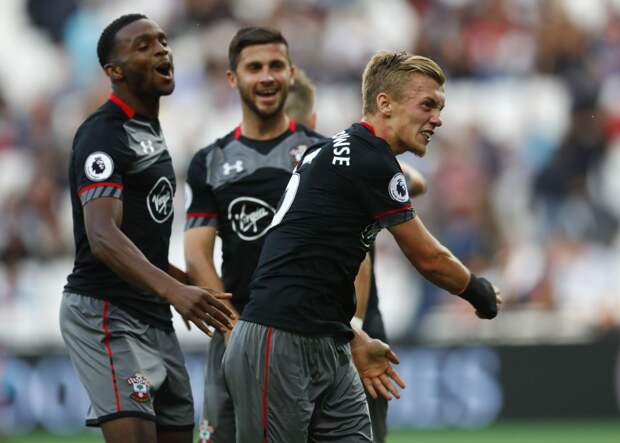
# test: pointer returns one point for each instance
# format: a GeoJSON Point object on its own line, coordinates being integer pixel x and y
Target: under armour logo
{"type": "Point", "coordinates": [227, 167]}
{"type": "Point", "coordinates": [147, 146]}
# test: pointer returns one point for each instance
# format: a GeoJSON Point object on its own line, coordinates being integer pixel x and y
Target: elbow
{"type": "Point", "coordinates": [97, 240]}
{"type": "Point", "coordinates": [432, 262]}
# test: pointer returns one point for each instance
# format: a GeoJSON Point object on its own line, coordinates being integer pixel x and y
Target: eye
{"type": "Point", "coordinates": [278, 65]}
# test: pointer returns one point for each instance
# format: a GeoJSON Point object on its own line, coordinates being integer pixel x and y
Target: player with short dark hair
{"type": "Point", "coordinates": [291, 345]}
{"type": "Point", "coordinates": [115, 313]}
{"type": "Point", "coordinates": [234, 186]}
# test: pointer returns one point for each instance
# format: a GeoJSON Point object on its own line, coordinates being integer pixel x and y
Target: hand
{"type": "Point", "coordinates": [203, 307]}
{"type": "Point", "coordinates": [372, 358]}
{"type": "Point", "coordinates": [498, 301]}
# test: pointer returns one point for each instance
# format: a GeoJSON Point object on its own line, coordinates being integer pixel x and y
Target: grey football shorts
{"type": "Point", "coordinates": [129, 369]}
{"type": "Point", "coordinates": [218, 418]}
{"type": "Point", "coordinates": [289, 388]}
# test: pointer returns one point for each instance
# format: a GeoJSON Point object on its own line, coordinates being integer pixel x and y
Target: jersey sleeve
{"type": "Point", "coordinates": [101, 158]}
{"type": "Point", "coordinates": [200, 204]}
{"type": "Point", "coordinates": [382, 186]}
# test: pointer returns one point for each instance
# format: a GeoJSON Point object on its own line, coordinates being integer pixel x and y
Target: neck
{"type": "Point", "coordinates": [384, 130]}
{"type": "Point", "coordinates": [145, 106]}
{"type": "Point", "coordinates": [263, 128]}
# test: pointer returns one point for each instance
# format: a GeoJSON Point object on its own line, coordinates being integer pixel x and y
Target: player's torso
{"type": "Point", "coordinates": [248, 179]}
{"type": "Point", "coordinates": [148, 188]}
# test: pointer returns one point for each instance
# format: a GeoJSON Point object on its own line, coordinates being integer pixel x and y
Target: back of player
{"type": "Point", "coordinates": [300, 106]}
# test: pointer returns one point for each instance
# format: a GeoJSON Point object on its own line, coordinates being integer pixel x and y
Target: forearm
{"type": "Point", "coordinates": [445, 271]}
{"type": "Point", "coordinates": [113, 248]}
{"type": "Point", "coordinates": [362, 287]}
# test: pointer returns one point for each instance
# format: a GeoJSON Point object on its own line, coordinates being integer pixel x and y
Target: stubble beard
{"type": "Point", "coordinates": [247, 100]}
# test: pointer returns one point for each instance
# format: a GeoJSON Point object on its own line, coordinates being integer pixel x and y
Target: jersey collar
{"type": "Point", "coordinates": [292, 126]}
{"type": "Point", "coordinates": [369, 127]}
{"type": "Point", "coordinates": [128, 110]}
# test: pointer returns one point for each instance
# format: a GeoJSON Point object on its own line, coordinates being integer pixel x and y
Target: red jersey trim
{"type": "Point", "coordinates": [128, 110]}
{"type": "Point", "coordinates": [292, 125]}
{"type": "Point", "coordinates": [392, 211]}
{"type": "Point", "coordinates": [237, 133]}
{"type": "Point", "coordinates": [201, 214]}
{"type": "Point", "coordinates": [369, 127]}
{"type": "Point", "coordinates": [267, 349]}
{"type": "Point", "coordinates": [108, 348]}
{"type": "Point", "coordinates": [97, 185]}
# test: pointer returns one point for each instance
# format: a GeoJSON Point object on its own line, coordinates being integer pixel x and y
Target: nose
{"type": "Point", "coordinates": [266, 76]}
{"type": "Point", "coordinates": [436, 120]}
{"type": "Point", "coordinates": [162, 49]}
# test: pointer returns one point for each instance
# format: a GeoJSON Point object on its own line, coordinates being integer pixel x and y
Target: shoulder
{"type": "Point", "coordinates": [102, 124]}
{"type": "Point", "coordinates": [314, 136]}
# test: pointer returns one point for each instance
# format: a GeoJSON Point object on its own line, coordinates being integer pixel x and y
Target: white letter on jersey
{"type": "Point", "coordinates": [308, 159]}
{"type": "Point", "coordinates": [289, 195]}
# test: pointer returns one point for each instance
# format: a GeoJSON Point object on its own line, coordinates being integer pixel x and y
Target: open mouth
{"type": "Point", "coordinates": [165, 69]}
{"type": "Point", "coordinates": [427, 134]}
{"type": "Point", "coordinates": [267, 92]}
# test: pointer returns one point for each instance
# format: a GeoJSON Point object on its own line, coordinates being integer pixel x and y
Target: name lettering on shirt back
{"type": "Point", "coordinates": [342, 149]}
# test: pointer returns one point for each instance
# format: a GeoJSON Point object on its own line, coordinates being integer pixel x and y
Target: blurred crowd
{"type": "Point", "coordinates": [524, 176]}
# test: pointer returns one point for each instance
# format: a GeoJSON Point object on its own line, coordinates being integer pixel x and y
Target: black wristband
{"type": "Point", "coordinates": [480, 293]}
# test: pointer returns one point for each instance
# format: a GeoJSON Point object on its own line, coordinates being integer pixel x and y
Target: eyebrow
{"type": "Point", "coordinates": [435, 102]}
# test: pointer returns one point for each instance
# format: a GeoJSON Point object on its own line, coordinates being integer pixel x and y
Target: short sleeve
{"type": "Point", "coordinates": [200, 203]}
{"type": "Point", "coordinates": [100, 159]}
{"type": "Point", "coordinates": [382, 186]}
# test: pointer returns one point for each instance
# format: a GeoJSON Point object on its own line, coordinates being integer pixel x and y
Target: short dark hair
{"type": "Point", "coordinates": [106, 42]}
{"type": "Point", "coordinates": [250, 36]}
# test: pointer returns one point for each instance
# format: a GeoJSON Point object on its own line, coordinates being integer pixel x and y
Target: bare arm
{"type": "Point", "coordinates": [102, 218]}
{"type": "Point", "coordinates": [199, 245]}
{"type": "Point", "coordinates": [438, 265]}
{"type": "Point", "coordinates": [434, 261]}
{"type": "Point", "coordinates": [362, 289]}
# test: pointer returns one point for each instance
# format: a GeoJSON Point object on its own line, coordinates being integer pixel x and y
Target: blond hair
{"type": "Point", "coordinates": [300, 101]}
{"type": "Point", "coordinates": [389, 71]}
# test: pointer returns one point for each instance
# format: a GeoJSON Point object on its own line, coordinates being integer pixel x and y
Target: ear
{"type": "Point", "coordinates": [384, 104]}
{"type": "Point", "coordinates": [232, 78]}
{"type": "Point", "coordinates": [293, 74]}
{"type": "Point", "coordinates": [115, 72]}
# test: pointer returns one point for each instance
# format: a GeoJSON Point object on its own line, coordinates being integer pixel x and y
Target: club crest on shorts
{"type": "Point", "coordinates": [398, 188]}
{"type": "Point", "coordinates": [204, 434]}
{"type": "Point", "coordinates": [141, 388]}
{"type": "Point", "coordinates": [98, 166]}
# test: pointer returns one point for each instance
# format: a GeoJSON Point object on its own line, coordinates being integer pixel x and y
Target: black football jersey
{"type": "Point", "coordinates": [235, 185]}
{"type": "Point", "coordinates": [339, 198]}
{"type": "Point", "coordinates": [121, 155]}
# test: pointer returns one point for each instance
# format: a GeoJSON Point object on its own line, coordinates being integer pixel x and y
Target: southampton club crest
{"type": "Point", "coordinates": [98, 166]}
{"type": "Point", "coordinates": [297, 153]}
{"type": "Point", "coordinates": [204, 434]}
{"type": "Point", "coordinates": [141, 388]}
{"type": "Point", "coordinates": [398, 188]}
